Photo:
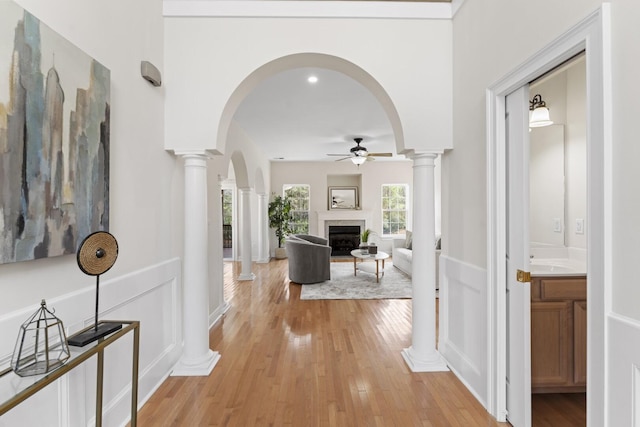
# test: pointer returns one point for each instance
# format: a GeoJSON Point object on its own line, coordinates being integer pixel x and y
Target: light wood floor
{"type": "Point", "coordinates": [287, 362]}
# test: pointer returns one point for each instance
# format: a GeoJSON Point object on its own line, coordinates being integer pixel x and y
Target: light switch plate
{"type": "Point", "coordinates": [557, 225]}
{"type": "Point", "coordinates": [579, 226]}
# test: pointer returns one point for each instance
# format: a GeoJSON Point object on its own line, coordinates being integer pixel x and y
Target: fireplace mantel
{"type": "Point", "coordinates": [343, 216]}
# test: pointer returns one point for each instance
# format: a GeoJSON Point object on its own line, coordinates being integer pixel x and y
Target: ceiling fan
{"type": "Point", "coordinates": [359, 154]}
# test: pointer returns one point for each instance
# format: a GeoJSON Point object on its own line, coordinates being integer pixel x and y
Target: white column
{"type": "Point", "coordinates": [263, 228]}
{"type": "Point", "coordinates": [245, 232]}
{"type": "Point", "coordinates": [423, 356]}
{"type": "Point", "coordinates": [197, 358]}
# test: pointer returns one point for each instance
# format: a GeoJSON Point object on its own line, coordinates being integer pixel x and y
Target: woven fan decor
{"type": "Point", "coordinates": [97, 254]}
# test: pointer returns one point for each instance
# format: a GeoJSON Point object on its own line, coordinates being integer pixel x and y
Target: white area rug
{"type": "Point", "coordinates": [344, 285]}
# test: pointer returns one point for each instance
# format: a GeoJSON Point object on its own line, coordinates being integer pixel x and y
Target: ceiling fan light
{"type": "Point", "coordinates": [358, 160]}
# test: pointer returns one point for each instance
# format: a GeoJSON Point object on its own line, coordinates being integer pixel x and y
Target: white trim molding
{"type": "Point", "coordinates": [309, 9]}
{"type": "Point", "coordinates": [151, 295]}
{"type": "Point", "coordinates": [463, 323]}
{"type": "Point", "coordinates": [624, 372]}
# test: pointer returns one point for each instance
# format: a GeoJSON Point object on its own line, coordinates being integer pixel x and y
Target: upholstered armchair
{"type": "Point", "coordinates": [309, 258]}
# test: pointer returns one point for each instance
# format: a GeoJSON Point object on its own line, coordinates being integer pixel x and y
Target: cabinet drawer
{"type": "Point", "coordinates": [563, 289]}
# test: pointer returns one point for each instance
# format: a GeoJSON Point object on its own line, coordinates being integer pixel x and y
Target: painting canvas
{"type": "Point", "coordinates": [54, 140]}
{"type": "Point", "coordinates": [343, 198]}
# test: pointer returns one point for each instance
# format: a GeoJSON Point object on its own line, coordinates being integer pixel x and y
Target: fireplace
{"type": "Point", "coordinates": [343, 239]}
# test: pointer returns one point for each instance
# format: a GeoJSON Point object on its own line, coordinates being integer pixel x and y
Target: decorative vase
{"type": "Point", "coordinates": [373, 249]}
{"type": "Point", "coordinates": [281, 253]}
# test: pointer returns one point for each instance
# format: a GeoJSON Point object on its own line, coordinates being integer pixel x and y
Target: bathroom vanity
{"type": "Point", "coordinates": [558, 332]}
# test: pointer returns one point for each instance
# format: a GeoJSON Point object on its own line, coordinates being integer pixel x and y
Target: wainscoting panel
{"type": "Point", "coordinates": [623, 365]}
{"type": "Point", "coordinates": [463, 323]}
{"type": "Point", "coordinates": [152, 296]}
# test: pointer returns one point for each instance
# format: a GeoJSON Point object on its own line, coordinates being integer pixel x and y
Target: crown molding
{"type": "Point", "coordinates": [310, 9]}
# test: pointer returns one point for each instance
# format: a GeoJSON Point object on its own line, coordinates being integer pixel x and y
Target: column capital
{"type": "Point", "coordinates": [192, 154]}
{"type": "Point", "coordinates": [427, 157]}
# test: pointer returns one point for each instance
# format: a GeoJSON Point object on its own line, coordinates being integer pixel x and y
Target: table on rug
{"type": "Point", "coordinates": [380, 256]}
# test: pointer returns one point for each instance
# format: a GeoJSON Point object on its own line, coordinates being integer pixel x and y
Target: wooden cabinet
{"type": "Point", "coordinates": [558, 334]}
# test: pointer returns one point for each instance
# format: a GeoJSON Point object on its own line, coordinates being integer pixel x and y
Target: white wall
{"type": "Point", "coordinates": [491, 38]}
{"type": "Point", "coordinates": [576, 154]}
{"type": "Point", "coordinates": [146, 217]}
{"type": "Point", "coordinates": [379, 46]}
{"type": "Point", "coordinates": [565, 95]}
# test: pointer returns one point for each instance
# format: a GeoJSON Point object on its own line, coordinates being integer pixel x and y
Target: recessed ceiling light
{"type": "Point", "coordinates": [312, 79]}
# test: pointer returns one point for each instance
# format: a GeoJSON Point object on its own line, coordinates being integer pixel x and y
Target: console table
{"type": "Point", "coordinates": [15, 389]}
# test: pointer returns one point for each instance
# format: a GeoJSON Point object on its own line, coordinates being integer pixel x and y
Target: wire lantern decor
{"type": "Point", "coordinates": [41, 345]}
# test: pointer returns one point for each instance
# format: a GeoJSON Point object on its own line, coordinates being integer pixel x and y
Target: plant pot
{"type": "Point", "coordinates": [281, 253]}
{"type": "Point", "coordinates": [364, 249]}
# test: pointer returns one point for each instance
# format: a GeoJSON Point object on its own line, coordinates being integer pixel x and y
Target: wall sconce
{"type": "Point", "coordinates": [539, 113]}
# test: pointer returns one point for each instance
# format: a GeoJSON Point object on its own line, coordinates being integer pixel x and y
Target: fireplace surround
{"type": "Point", "coordinates": [343, 238]}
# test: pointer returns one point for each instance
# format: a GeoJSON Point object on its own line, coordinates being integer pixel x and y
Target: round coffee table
{"type": "Point", "coordinates": [380, 256]}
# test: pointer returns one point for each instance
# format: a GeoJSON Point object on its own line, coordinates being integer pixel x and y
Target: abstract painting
{"type": "Point", "coordinates": [54, 140]}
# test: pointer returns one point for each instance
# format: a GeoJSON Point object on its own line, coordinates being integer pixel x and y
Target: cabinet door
{"type": "Point", "coordinates": [551, 344]}
{"type": "Point", "coordinates": [580, 342]}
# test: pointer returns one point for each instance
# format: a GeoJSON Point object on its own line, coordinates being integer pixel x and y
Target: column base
{"type": "Point", "coordinates": [435, 363]}
{"type": "Point", "coordinates": [200, 368]}
{"type": "Point", "coordinates": [245, 277]}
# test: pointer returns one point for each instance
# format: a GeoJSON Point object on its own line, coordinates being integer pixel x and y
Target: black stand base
{"type": "Point", "coordinates": [83, 338]}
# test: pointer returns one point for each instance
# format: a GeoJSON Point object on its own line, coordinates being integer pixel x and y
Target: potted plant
{"type": "Point", "coordinates": [364, 240]}
{"type": "Point", "coordinates": [279, 219]}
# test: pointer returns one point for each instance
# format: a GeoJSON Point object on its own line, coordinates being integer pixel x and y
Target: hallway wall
{"type": "Point", "coordinates": [491, 49]}
{"type": "Point", "coordinates": [146, 217]}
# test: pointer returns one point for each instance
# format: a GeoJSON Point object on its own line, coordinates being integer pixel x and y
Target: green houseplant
{"type": "Point", "coordinates": [279, 219]}
{"type": "Point", "coordinates": [364, 240]}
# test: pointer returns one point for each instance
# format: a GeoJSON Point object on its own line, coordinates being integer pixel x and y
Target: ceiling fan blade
{"type": "Point", "coordinates": [338, 155]}
{"type": "Point", "coordinates": [381, 154]}
{"type": "Point", "coordinates": [344, 158]}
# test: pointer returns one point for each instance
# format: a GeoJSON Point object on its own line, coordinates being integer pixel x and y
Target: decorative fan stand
{"type": "Point", "coordinates": [97, 254]}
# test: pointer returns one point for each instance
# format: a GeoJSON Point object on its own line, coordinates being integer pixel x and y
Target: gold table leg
{"type": "Point", "coordinates": [99, 387]}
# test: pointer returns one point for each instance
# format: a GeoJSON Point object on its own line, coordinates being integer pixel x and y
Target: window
{"type": "Point", "coordinates": [227, 207]}
{"type": "Point", "coordinates": [395, 208]}
{"type": "Point", "coordinates": [299, 196]}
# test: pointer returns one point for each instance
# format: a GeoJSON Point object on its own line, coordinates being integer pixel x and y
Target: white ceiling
{"type": "Point", "coordinates": [292, 119]}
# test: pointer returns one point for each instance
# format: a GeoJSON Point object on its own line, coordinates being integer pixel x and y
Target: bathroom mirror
{"type": "Point", "coordinates": [547, 186]}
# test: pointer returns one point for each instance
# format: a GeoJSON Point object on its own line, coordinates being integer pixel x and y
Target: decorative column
{"type": "Point", "coordinates": [245, 248]}
{"type": "Point", "coordinates": [263, 228]}
{"type": "Point", "coordinates": [423, 356]}
{"type": "Point", "coordinates": [197, 358]}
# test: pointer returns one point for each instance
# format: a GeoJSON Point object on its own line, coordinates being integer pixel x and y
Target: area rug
{"type": "Point", "coordinates": [344, 285]}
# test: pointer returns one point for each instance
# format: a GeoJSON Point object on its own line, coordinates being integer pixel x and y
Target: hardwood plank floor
{"type": "Point", "coordinates": [288, 362]}
{"type": "Point", "coordinates": [559, 410]}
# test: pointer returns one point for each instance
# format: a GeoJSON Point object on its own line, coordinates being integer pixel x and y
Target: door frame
{"type": "Point", "coordinates": [593, 36]}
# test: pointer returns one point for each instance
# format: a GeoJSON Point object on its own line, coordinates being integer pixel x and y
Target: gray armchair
{"type": "Point", "coordinates": [309, 258]}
